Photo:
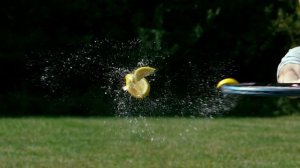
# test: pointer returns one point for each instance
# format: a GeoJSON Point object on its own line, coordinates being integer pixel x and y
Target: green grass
{"type": "Point", "coordinates": [149, 142]}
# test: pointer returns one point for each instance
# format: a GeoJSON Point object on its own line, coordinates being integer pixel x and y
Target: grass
{"type": "Point", "coordinates": [149, 142]}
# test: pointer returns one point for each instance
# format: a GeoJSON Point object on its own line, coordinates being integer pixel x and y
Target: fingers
{"type": "Point", "coordinates": [290, 73]}
{"type": "Point", "coordinates": [288, 77]}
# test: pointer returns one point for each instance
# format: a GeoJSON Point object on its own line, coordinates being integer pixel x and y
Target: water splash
{"type": "Point", "coordinates": [203, 99]}
{"type": "Point", "coordinates": [104, 64]}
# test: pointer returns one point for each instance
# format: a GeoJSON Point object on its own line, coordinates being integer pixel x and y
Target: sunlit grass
{"type": "Point", "coordinates": [150, 142]}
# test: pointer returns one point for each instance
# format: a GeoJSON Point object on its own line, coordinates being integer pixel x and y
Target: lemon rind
{"type": "Point", "coordinates": [227, 81]}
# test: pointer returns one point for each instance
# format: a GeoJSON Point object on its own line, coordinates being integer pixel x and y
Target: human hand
{"type": "Point", "coordinates": [289, 73]}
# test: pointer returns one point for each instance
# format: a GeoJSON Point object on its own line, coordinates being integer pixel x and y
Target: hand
{"type": "Point", "coordinates": [289, 73]}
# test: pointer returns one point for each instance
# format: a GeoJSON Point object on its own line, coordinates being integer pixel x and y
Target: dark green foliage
{"type": "Point", "coordinates": [255, 34]}
{"type": "Point", "coordinates": [256, 106]}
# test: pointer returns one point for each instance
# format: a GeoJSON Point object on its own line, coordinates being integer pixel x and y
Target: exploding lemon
{"type": "Point", "coordinates": [136, 83]}
{"type": "Point", "coordinates": [143, 72]}
{"type": "Point", "coordinates": [227, 81]}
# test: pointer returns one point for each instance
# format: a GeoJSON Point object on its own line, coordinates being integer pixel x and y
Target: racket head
{"type": "Point", "coordinates": [278, 89]}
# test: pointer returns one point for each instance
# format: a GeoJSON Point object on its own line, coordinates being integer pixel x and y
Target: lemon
{"type": "Point", "coordinates": [227, 81]}
{"type": "Point", "coordinates": [143, 72]}
{"type": "Point", "coordinates": [136, 84]}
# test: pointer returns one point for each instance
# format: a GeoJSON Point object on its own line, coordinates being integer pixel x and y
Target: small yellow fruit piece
{"type": "Point", "coordinates": [136, 84]}
{"type": "Point", "coordinates": [143, 72]}
{"type": "Point", "coordinates": [227, 81]}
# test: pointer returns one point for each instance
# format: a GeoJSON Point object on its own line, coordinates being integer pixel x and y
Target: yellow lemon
{"type": "Point", "coordinates": [143, 72]}
{"type": "Point", "coordinates": [227, 81]}
{"type": "Point", "coordinates": [136, 84]}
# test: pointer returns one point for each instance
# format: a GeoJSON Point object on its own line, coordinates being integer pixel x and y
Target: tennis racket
{"type": "Point", "coordinates": [282, 89]}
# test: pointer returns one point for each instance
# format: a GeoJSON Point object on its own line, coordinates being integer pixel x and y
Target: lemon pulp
{"type": "Point", "coordinates": [227, 81]}
{"type": "Point", "coordinates": [136, 84]}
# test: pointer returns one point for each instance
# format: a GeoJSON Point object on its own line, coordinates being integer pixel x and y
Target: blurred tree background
{"type": "Point", "coordinates": [252, 35]}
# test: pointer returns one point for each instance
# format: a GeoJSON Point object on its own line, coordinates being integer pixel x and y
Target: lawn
{"type": "Point", "coordinates": [150, 142]}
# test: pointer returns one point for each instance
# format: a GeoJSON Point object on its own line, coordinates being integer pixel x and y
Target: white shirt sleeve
{"type": "Point", "coordinates": [292, 57]}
